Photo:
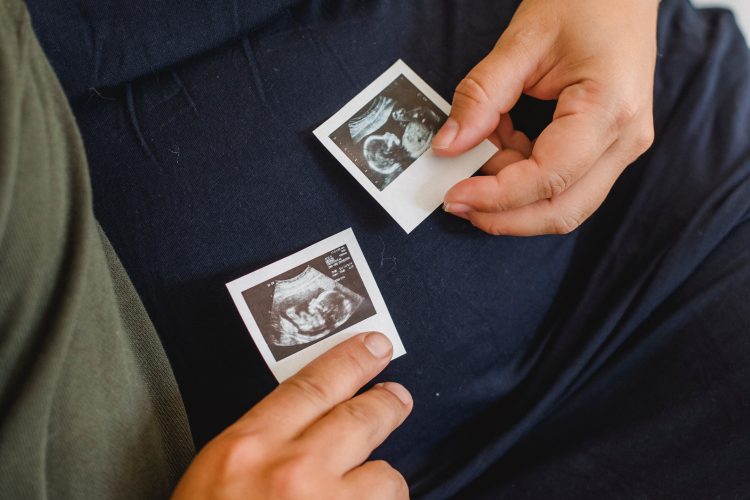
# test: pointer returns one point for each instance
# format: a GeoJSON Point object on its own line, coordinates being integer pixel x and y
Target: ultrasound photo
{"type": "Point", "coordinates": [310, 302]}
{"type": "Point", "coordinates": [390, 132]}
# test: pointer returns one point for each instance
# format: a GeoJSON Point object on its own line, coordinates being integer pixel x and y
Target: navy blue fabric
{"type": "Point", "coordinates": [609, 361]}
{"type": "Point", "coordinates": [98, 43]}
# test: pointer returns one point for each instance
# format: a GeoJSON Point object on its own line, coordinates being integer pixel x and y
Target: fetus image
{"type": "Point", "coordinates": [310, 302]}
{"type": "Point", "coordinates": [385, 137]}
{"type": "Point", "coordinates": [310, 306]}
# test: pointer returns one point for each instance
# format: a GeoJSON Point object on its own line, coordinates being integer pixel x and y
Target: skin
{"type": "Point", "coordinates": [597, 58]}
{"type": "Point", "coordinates": [311, 437]}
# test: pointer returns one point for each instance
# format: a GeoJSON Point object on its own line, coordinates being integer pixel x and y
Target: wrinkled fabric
{"type": "Point", "coordinates": [89, 406]}
{"type": "Point", "coordinates": [100, 43]}
{"type": "Point", "coordinates": [608, 361]}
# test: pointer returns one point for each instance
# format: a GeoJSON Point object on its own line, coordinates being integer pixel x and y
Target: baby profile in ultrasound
{"type": "Point", "coordinates": [385, 137]}
{"type": "Point", "coordinates": [309, 302]}
{"type": "Point", "coordinates": [308, 307]}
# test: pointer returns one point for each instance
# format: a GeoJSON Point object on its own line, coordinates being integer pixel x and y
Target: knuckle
{"type": "Point", "coordinates": [624, 113]}
{"type": "Point", "coordinates": [566, 223]}
{"type": "Point", "coordinates": [361, 416]}
{"type": "Point", "coordinates": [644, 137]}
{"type": "Point", "coordinates": [553, 184]}
{"type": "Point", "coordinates": [311, 388]}
{"type": "Point", "coordinates": [292, 478]}
{"type": "Point", "coordinates": [393, 478]}
{"type": "Point", "coordinates": [474, 88]}
{"type": "Point", "coordinates": [499, 204]}
{"type": "Point", "coordinates": [234, 453]}
{"type": "Point", "coordinates": [619, 109]}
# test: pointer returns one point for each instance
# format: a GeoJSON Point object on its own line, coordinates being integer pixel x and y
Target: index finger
{"type": "Point", "coordinates": [324, 383]}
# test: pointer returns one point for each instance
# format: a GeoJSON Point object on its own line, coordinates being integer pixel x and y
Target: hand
{"type": "Point", "coordinates": [597, 58]}
{"type": "Point", "coordinates": [310, 437]}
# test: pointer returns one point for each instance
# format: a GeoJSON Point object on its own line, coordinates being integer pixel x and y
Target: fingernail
{"type": "Point", "coordinates": [457, 208]}
{"type": "Point", "coordinates": [399, 391]}
{"type": "Point", "coordinates": [378, 344]}
{"type": "Point", "coordinates": [446, 135]}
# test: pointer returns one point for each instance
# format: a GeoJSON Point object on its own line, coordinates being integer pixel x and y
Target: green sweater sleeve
{"type": "Point", "coordinates": [89, 407]}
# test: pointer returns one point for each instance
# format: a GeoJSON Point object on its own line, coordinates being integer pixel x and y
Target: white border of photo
{"type": "Point", "coordinates": [420, 189]}
{"type": "Point", "coordinates": [380, 322]}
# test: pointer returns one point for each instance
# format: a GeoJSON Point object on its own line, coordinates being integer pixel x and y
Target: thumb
{"type": "Point", "coordinates": [490, 89]}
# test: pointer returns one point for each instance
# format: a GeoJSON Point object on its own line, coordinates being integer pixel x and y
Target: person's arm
{"type": "Point", "coordinates": [311, 437]}
{"type": "Point", "coordinates": [597, 58]}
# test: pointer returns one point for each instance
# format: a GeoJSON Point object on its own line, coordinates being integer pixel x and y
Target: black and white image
{"type": "Point", "coordinates": [309, 302]}
{"type": "Point", "coordinates": [298, 307]}
{"type": "Point", "coordinates": [383, 138]}
{"type": "Point", "coordinates": [388, 134]}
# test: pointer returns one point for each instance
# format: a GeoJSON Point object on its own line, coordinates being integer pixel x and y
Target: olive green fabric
{"type": "Point", "coordinates": [89, 407]}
